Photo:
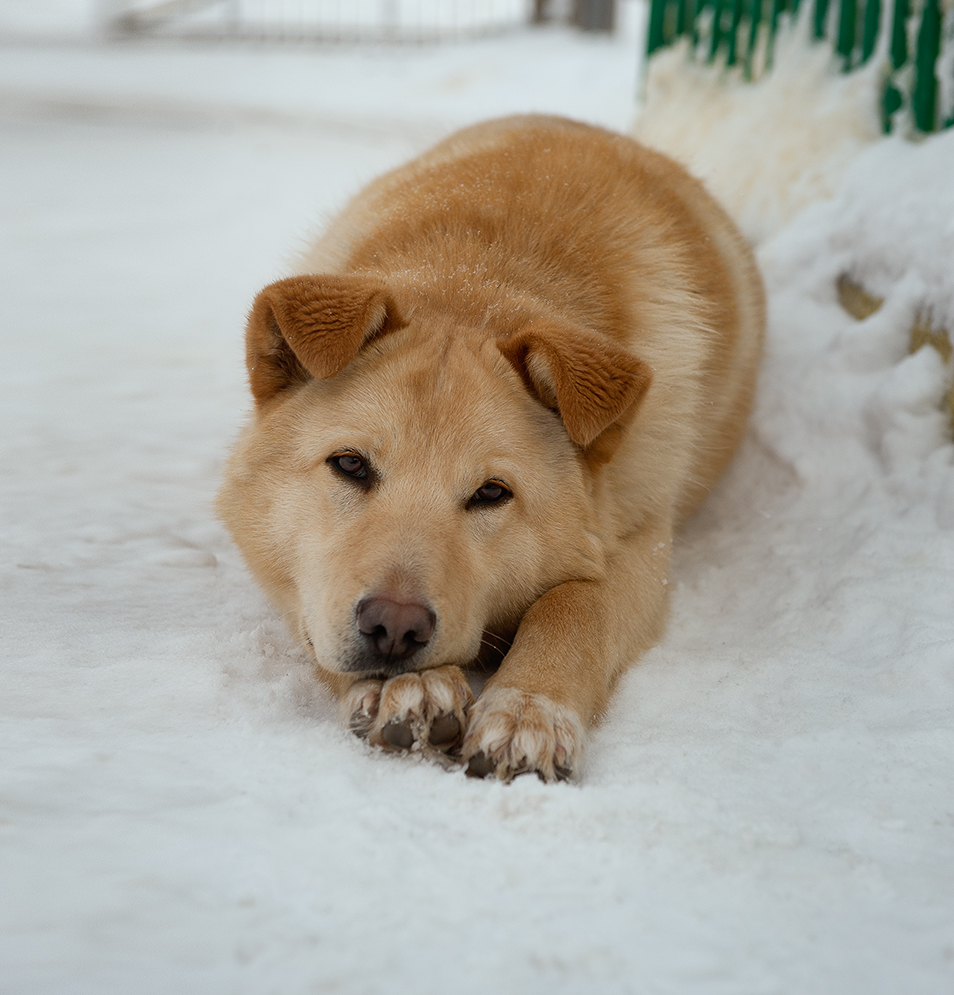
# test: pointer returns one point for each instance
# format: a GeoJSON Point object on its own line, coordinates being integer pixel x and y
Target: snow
{"type": "Point", "coordinates": [811, 119]}
{"type": "Point", "coordinates": [767, 808]}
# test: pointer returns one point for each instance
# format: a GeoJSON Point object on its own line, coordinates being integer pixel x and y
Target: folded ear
{"type": "Point", "coordinates": [594, 385]}
{"type": "Point", "coordinates": [312, 326]}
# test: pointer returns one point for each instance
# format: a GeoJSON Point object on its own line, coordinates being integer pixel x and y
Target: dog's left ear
{"type": "Point", "coordinates": [312, 326]}
{"type": "Point", "coordinates": [594, 385]}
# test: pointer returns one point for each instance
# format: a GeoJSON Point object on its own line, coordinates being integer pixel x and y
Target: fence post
{"type": "Point", "coordinates": [924, 97]}
{"type": "Point", "coordinates": [595, 15]}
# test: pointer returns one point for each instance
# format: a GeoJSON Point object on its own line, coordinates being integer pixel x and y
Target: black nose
{"type": "Point", "coordinates": [395, 630]}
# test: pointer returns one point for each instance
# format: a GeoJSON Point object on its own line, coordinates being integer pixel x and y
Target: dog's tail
{"type": "Point", "coordinates": [767, 148]}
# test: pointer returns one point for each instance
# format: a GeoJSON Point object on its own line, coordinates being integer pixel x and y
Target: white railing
{"type": "Point", "coordinates": [319, 20]}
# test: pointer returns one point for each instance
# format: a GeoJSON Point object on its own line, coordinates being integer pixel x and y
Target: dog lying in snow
{"type": "Point", "coordinates": [501, 379]}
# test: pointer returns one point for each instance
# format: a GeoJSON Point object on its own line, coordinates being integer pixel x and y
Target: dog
{"type": "Point", "coordinates": [482, 404]}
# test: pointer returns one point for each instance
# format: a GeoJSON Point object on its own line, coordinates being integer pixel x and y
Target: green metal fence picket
{"type": "Point", "coordinates": [734, 32]}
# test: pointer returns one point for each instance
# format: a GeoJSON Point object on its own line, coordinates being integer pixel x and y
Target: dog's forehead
{"type": "Point", "coordinates": [420, 367]}
{"type": "Point", "coordinates": [437, 393]}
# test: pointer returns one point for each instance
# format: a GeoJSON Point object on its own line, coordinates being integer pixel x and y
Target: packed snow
{"type": "Point", "coordinates": [767, 807]}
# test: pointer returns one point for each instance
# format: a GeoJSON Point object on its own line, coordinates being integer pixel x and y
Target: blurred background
{"type": "Point", "coordinates": [497, 55]}
{"type": "Point", "coordinates": [158, 153]}
{"type": "Point", "coordinates": [326, 20]}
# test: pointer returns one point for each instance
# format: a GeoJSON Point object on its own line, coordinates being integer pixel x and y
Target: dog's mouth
{"type": "Point", "coordinates": [367, 665]}
{"type": "Point", "coordinates": [380, 673]}
{"type": "Point", "coordinates": [368, 671]}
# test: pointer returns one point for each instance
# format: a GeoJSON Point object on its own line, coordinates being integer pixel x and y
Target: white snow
{"type": "Point", "coordinates": [811, 121]}
{"type": "Point", "coordinates": [768, 807]}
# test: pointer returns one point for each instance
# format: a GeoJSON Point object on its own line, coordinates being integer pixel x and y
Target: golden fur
{"type": "Point", "coordinates": [527, 356]}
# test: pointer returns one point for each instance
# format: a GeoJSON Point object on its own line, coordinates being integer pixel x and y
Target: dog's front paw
{"type": "Point", "coordinates": [426, 710]}
{"type": "Point", "coordinates": [514, 732]}
{"type": "Point", "coordinates": [359, 705]}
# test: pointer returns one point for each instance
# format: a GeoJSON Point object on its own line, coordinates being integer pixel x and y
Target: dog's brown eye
{"type": "Point", "coordinates": [493, 492]}
{"type": "Point", "coordinates": [350, 465]}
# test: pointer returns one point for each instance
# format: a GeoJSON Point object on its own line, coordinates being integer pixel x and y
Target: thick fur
{"type": "Point", "coordinates": [504, 376]}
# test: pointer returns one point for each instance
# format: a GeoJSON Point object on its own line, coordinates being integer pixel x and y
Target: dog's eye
{"type": "Point", "coordinates": [351, 465]}
{"type": "Point", "coordinates": [493, 492]}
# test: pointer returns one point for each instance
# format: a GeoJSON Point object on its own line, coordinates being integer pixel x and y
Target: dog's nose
{"type": "Point", "coordinates": [395, 630]}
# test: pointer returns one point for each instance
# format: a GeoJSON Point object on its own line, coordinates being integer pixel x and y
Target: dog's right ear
{"type": "Point", "coordinates": [312, 326]}
{"type": "Point", "coordinates": [594, 384]}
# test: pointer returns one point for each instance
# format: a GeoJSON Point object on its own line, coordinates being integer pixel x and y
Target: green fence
{"type": "Point", "coordinates": [743, 33]}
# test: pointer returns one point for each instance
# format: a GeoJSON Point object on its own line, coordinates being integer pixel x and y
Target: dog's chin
{"type": "Point", "coordinates": [359, 660]}
{"type": "Point", "coordinates": [368, 665]}
{"type": "Point", "coordinates": [378, 671]}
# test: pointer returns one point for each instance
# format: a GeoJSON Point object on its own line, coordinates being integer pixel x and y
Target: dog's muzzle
{"type": "Point", "coordinates": [391, 632]}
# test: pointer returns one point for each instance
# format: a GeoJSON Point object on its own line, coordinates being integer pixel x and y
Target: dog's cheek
{"type": "Point", "coordinates": [297, 558]}
{"type": "Point", "coordinates": [247, 506]}
{"type": "Point", "coordinates": [546, 540]}
{"type": "Point", "coordinates": [325, 603]}
{"type": "Point", "coordinates": [506, 572]}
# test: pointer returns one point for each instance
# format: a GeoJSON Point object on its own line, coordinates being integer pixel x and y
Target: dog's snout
{"type": "Point", "coordinates": [395, 630]}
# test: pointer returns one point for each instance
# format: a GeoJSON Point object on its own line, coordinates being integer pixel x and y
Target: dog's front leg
{"type": "Point", "coordinates": [570, 648]}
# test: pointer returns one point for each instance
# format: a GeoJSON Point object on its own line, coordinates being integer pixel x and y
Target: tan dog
{"type": "Point", "coordinates": [528, 355]}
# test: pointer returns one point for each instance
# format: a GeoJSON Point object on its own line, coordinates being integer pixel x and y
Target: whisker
{"type": "Point", "coordinates": [495, 642]}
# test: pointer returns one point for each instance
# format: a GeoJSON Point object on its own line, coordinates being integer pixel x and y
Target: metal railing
{"type": "Point", "coordinates": [346, 20]}
{"type": "Point", "coordinates": [916, 44]}
{"type": "Point", "coordinates": [320, 20]}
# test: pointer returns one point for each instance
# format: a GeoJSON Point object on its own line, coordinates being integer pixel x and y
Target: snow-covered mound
{"type": "Point", "coordinates": [766, 809]}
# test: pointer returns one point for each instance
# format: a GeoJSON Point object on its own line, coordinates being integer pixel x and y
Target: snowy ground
{"type": "Point", "coordinates": [768, 807]}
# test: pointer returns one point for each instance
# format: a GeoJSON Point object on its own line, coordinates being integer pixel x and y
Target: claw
{"type": "Point", "coordinates": [521, 771]}
{"type": "Point", "coordinates": [480, 765]}
{"type": "Point", "coordinates": [361, 721]}
{"type": "Point", "coordinates": [360, 725]}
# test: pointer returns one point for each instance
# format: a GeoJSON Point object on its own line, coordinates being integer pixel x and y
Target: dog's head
{"type": "Point", "coordinates": [409, 488]}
